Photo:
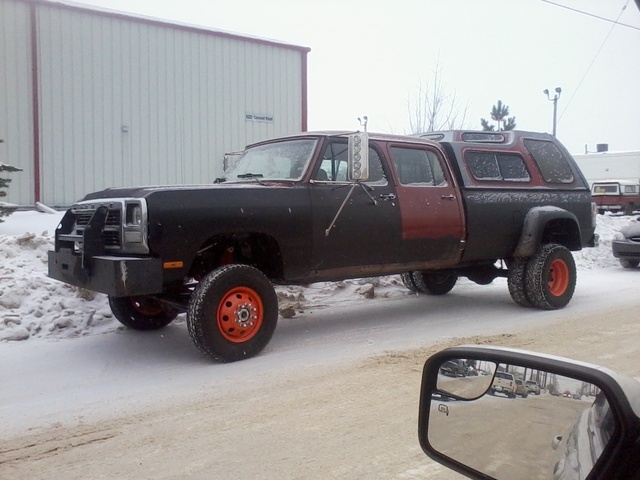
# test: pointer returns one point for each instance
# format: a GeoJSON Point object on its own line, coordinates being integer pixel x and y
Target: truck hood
{"type": "Point", "coordinates": [145, 191]}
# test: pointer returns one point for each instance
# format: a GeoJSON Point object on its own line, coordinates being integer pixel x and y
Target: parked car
{"type": "Point", "coordinates": [616, 196]}
{"type": "Point", "coordinates": [521, 389]}
{"type": "Point", "coordinates": [454, 368]}
{"type": "Point", "coordinates": [504, 383]}
{"type": "Point", "coordinates": [626, 245]}
{"type": "Point", "coordinates": [532, 387]}
{"type": "Point", "coordinates": [594, 441]}
{"type": "Point", "coordinates": [293, 210]}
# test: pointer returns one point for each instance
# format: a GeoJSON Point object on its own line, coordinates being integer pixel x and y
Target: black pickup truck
{"type": "Point", "coordinates": [328, 206]}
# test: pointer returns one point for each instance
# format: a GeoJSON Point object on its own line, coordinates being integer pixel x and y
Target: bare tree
{"type": "Point", "coordinates": [433, 108]}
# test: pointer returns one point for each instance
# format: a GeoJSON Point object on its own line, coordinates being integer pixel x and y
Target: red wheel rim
{"type": "Point", "coordinates": [240, 314]}
{"type": "Point", "coordinates": [558, 277]}
{"type": "Point", "coordinates": [146, 307]}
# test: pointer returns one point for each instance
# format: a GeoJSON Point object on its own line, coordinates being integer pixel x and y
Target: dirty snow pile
{"type": "Point", "coordinates": [35, 306]}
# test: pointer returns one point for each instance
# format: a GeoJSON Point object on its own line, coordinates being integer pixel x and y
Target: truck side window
{"type": "Point", "coordinates": [552, 163]}
{"type": "Point", "coordinates": [494, 166]}
{"type": "Point", "coordinates": [417, 166]}
{"type": "Point", "coordinates": [333, 166]}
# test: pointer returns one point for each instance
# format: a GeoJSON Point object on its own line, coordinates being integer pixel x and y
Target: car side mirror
{"type": "Point", "coordinates": [497, 413]}
{"type": "Point", "coordinates": [358, 157]}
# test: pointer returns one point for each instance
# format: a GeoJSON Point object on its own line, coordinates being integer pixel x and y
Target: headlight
{"type": "Point", "coordinates": [134, 215]}
{"type": "Point", "coordinates": [618, 236]}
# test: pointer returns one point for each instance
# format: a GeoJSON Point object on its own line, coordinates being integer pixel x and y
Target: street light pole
{"type": "Point", "coordinates": [555, 98]}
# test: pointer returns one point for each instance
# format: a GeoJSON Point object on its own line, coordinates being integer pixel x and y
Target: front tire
{"type": "Point", "coordinates": [434, 282]}
{"type": "Point", "coordinates": [232, 313]}
{"type": "Point", "coordinates": [142, 313]}
{"type": "Point", "coordinates": [551, 277]}
{"type": "Point", "coordinates": [629, 263]}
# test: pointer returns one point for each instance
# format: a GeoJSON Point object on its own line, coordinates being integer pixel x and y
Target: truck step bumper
{"type": "Point", "coordinates": [114, 276]}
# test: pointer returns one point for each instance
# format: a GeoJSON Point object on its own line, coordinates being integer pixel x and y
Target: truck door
{"type": "Point", "coordinates": [430, 206]}
{"type": "Point", "coordinates": [366, 232]}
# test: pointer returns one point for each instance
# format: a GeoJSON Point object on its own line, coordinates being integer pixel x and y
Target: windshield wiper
{"type": "Point", "coordinates": [250, 175]}
{"type": "Point", "coordinates": [220, 180]}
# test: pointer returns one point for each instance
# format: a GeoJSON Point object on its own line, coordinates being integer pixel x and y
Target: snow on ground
{"type": "Point", "coordinates": [34, 306]}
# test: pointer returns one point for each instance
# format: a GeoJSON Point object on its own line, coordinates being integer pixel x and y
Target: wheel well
{"type": "Point", "coordinates": [256, 249]}
{"type": "Point", "coordinates": [563, 231]}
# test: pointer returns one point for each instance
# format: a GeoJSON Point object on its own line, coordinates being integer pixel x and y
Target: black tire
{"type": "Point", "coordinates": [232, 313]}
{"type": "Point", "coordinates": [434, 282]}
{"type": "Point", "coordinates": [142, 313]}
{"type": "Point", "coordinates": [629, 263]}
{"type": "Point", "coordinates": [629, 208]}
{"type": "Point", "coordinates": [551, 277]}
{"type": "Point", "coordinates": [409, 282]}
{"type": "Point", "coordinates": [601, 211]}
{"type": "Point", "coordinates": [517, 281]}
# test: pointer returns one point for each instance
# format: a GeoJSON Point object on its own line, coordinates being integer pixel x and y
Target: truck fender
{"type": "Point", "coordinates": [534, 226]}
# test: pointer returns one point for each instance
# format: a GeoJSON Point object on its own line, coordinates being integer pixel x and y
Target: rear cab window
{"type": "Point", "coordinates": [417, 167]}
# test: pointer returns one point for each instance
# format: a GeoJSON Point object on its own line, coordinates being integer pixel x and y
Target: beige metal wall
{"type": "Point", "coordinates": [16, 109]}
{"type": "Point", "coordinates": [125, 101]}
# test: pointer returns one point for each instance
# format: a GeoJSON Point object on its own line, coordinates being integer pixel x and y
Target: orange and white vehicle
{"type": "Point", "coordinates": [616, 196]}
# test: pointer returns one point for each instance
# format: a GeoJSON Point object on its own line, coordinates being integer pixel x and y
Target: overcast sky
{"type": "Point", "coordinates": [368, 57]}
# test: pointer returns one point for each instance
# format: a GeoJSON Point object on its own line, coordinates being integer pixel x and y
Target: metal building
{"type": "Point", "coordinates": [92, 98]}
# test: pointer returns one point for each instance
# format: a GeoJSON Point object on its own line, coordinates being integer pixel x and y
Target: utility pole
{"type": "Point", "coordinates": [555, 98]}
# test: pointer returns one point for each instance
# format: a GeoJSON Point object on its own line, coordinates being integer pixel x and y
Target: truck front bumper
{"type": "Point", "coordinates": [114, 276]}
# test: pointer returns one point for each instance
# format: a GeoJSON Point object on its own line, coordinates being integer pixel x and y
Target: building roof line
{"type": "Point", "coordinates": [134, 17]}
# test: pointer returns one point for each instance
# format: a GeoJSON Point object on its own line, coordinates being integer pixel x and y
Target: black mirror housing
{"type": "Point", "coordinates": [620, 457]}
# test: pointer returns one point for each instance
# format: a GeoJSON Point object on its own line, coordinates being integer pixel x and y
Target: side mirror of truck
{"type": "Point", "coordinates": [358, 157]}
{"type": "Point", "coordinates": [471, 421]}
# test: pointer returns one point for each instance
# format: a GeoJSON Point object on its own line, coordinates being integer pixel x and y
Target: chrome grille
{"type": "Point", "coordinates": [117, 236]}
{"type": "Point", "coordinates": [111, 231]}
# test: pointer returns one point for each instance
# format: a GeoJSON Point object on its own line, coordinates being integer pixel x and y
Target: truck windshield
{"type": "Point", "coordinates": [286, 160]}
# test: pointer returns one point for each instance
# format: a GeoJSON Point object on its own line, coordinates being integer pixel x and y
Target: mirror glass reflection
{"type": "Point", "coordinates": [511, 422]}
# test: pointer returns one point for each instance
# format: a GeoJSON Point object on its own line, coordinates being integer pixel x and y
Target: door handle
{"type": "Point", "coordinates": [387, 196]}
{"type": "Point", "coordinates": [449, 197]}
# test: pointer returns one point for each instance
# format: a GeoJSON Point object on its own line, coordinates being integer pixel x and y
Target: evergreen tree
{"type": "Point", "coordinates": [486, 127]}
{"type": "Point", "coordinates": [499, 113]}
{"type": "Point", "coordinates": [6, 210]}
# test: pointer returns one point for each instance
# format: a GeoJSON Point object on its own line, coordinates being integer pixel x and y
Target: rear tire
{"type": "Point", "coordinates": [233, 313]}
{"type": "Point", "coordinates": [629, 209]}
{"type": "Point", "coordinates": [629, 263]}
{"type": "Point", "coordinates": [517, 281]}
{"type": "Point", "coordinates": [409, 282]}
{"type": "Point", "coordinates": [434, 282]}
{"type": "Point", "coordinates": [142, 313]}
{"type": "Point", "coordinates": [551, 277]}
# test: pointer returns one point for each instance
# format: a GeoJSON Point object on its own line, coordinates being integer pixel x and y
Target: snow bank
{"type": "Point", "coordinates": [34, 306]}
